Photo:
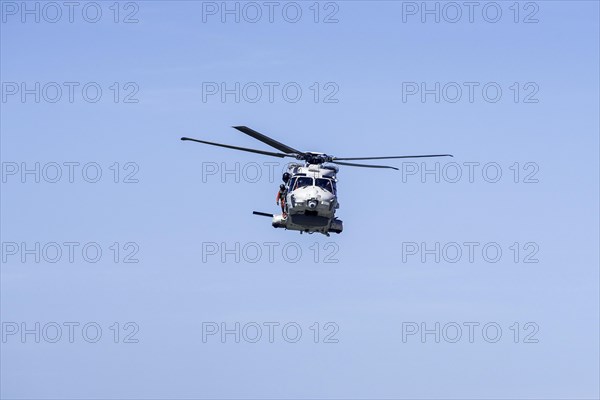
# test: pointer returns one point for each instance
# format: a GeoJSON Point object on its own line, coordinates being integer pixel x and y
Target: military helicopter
{"type": "Point", "coordinates": [310, 189]}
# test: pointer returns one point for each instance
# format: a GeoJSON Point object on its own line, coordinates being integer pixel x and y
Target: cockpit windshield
{"type": "Point", "coordinates": [326, 184]}
{"type": "Point", "coordinates": [302, 181]}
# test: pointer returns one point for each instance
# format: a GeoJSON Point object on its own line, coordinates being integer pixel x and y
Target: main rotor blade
{"type": "Point", "coordinates": [265, 139]}
{"type": "Point", "coordinates": [266, 153]}
{"type": "Point", "coordinates": [390, 157]}
{"type": "Point", "coordinates": [364, 165]}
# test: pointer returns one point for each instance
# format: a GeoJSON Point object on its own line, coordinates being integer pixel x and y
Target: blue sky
{"type": "Point", "coordinates": [374, 289]}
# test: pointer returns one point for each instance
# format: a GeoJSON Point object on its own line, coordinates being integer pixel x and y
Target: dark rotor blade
{"type": "Point", "coordinates": [265, 139]}
{"type": "Point", "coordinates": [266, 153]}
{"type": "Point", "coordinates": [364, 165]}
{"type": "Point", "coordinates": [262, 214]}
{"type": "Point", "coordinates": [390, 157]}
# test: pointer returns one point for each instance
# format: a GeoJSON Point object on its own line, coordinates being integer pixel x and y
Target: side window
{"type": "Point", "coordinates": [291, 184]}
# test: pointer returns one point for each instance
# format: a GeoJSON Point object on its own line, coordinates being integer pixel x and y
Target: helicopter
{"type": "Point", "coordinates": [310, 186]}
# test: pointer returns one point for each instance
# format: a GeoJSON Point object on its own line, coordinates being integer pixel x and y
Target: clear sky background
{"type": "Point", "coordinates": [375, 288]}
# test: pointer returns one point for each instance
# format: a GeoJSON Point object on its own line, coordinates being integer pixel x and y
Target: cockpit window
{"type": "Point", "coordinates": [326, 184]}
{"type": "Point", "coordinates": [291, 184]}
{"type": "Point", "coordinates": [303, 181]}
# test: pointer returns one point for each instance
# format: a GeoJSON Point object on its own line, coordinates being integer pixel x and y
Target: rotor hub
{"type": "Point", "coordinates": [314, 158]}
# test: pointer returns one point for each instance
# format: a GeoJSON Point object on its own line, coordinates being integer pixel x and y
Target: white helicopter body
{"type": "Point", "coordinates": [310, 200]}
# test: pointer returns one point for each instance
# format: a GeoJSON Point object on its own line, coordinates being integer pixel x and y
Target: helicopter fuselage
{"type": "Point", "coordinates": [310, 200]}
